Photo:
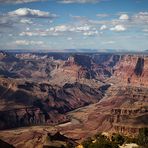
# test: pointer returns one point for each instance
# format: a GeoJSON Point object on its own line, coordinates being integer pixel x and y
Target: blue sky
{"type": "Point", "coordinates": [74, 24]}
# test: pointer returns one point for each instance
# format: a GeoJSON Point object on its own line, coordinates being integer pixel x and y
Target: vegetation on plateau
{"type": "Point", "coordinates": [116, 140]}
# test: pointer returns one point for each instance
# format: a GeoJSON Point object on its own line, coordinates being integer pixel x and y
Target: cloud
{"type": "Point", "coordinates": [21, 42]}
{"type": "Point", "coordinates": [103, 27]}
{"type": "Point", "coordinates": [124, 17]}
{"type": "Point", "coordinates": [64, 29]}
{"type": "Point", "coordinates": [82, 28]}
{"type": "Point", "coordinates": [102, 15]}
{"type": "Point", "coordinates": [141, 17]}
{"type": "Point", "coordinates": [28, 33]}
{"type": "Point", "coordinates": [108, 42]}
{"type": "Point", "coordinates": [31, 13]}
{"type": "Point", "coordinates": [90, 33]}
{"type": "Point", "coordinates": [36, 33]}
{"type": "Point", "coordinates": [60, 28]}
{"type": "Point", "coordinates": [70, 28]}
{"type": "Point", "coordinates": [26, 21]}
{"type": "Point", "coordinates": [60, 1]}
{"type": "Point", "coordinates": [7, 21]}
{"type": "Point", "coordinates": [18, 1]}
{"type": "Point", "coordinates": [145, 30]}
{"type": "Point", "coordinates": [18, 19]}
{"type": "Point", "coordinates": [118, 28]}
{"type": "Point", "coordinates": [69, 38]}
{"type": "Point", "coordinates": [79, 18]}
{"type": "Point", "coordinates": [42, 33]}
{"type": "Point", "coordinates": [26, 43]}
{"type": "Point", "coordinates": [79, 1]}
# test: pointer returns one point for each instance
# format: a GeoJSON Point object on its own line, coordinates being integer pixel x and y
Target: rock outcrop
{"type": "Point", "coordinates": [4, 144]}
{"type": "Point", "coordinates": [21, 117]}
{"type": "Point", "coordinates": [132, 69]}
{"type": "Point", "coordinates": [129, 121]}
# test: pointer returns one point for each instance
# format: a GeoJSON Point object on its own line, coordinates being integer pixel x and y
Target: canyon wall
{"type": "Point", "coordinates": [52, 85]}
{"type": "Point", "coordinates": [30, 103]}
{"type": "Point", "coordinates": [132, 69]}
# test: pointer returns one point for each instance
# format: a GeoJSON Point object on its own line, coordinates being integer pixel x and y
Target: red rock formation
{"type": "Point", "coordinates": [132, 69]}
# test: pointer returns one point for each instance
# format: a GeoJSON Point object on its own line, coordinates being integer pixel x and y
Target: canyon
{"type": "Point", "coordinates": [78, 94]}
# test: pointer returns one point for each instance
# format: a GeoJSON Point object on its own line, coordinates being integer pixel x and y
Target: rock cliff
{"type": "Point", "coordinates": [132, 69]}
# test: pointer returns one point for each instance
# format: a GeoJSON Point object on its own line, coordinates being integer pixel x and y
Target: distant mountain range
{"type": "Point", "coordinates": [72, 50]}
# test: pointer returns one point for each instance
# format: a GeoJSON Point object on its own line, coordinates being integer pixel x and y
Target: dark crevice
{"type": "Point", "coordinates": [139, 67]}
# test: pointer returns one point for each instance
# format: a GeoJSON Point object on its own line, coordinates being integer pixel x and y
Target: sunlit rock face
{"type": "Point", "coordinates": [133, 69]}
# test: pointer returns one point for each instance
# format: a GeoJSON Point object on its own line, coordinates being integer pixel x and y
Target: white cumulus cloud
{"type": "Point", "coordinates": [118, 28]}
{"type": "Point", "coordinates": [103, 27]}
{"type": "Point", "coordinates": [124, 17]}
{"type": "Point", "coordinates": [32, 13]}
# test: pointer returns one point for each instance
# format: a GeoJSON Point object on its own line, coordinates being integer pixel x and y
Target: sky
{"type": "Point", "coordinates": [74, 24]}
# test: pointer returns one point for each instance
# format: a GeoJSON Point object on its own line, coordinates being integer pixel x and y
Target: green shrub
{"type": "Point", "coordinates": [118, 139]}
{"type": "Point", "coordinates": [86, 143]}
{"type": "Point", "coordinates": [101, 142]}
{"type": "Point", "coordinates": [130, 140]}
{"type": "Point", "coordinates": [142, 138]}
